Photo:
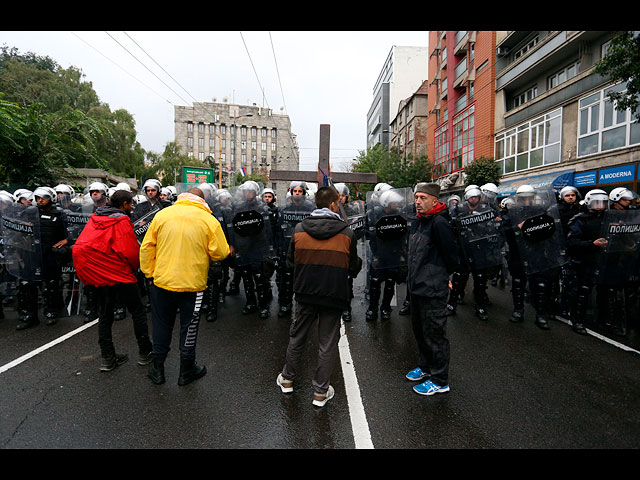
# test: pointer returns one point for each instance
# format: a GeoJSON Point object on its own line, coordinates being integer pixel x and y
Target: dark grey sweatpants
{"type": "Point", "coordinates": [328, 336]}
{"type": "Point", "coordinates": [429, 320]}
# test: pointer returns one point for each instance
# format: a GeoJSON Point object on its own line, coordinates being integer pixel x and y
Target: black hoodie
{"type": "Point", "coordinates": [323, 252]}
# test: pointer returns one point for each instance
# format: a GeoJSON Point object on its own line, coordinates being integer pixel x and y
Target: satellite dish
{"type": "Point", "coordinates": [215, 99]}
{"type": "Point", "coordinates": [224, 99]}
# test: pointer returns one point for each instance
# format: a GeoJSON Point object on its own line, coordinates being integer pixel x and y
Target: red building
{"type": "Point", "coordinates": [461, 102]}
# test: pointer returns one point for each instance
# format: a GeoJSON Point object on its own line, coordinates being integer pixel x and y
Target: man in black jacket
{"type": "Point", "coordinates": [433, 256]}
{"type": "Point", "coordinates": [323, 254]}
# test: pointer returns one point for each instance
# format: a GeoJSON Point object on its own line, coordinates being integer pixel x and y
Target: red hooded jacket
{"type": "Point", "coordinates": [107, 250]}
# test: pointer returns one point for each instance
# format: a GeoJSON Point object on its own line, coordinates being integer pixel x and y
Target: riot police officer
{"type": "Point", "coordinates": [53, 239]}
{"type": "Point", "coordinates": [585, 243]}
{"type": "Point", "coordinates": [297, 207]}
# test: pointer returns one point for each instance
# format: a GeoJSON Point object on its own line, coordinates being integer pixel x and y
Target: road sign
{"type": "Point", "coordinates": [197, 175]}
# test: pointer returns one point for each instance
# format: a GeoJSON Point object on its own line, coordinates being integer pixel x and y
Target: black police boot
{"type": "Point", "coordinates": [346, 315]}
{"type": "Point", "coordinates": [517, 295]}
{"type": "Point", "coordinates": [540, 299]}
{"type": "Point", "coordinates": [156, 371]}
{"type": "Point", "coordinates": [284, 311]}
{"type": "Point", "coordinates": [374, 297]}
{"type": "Point", "coordinates": [189, 371]}
{"type": "Point", "coordinates": [50, 296]}
{"type": "Point", "coordinates": [406, 307]}
{"type": "Point", "coordinates": [27, 306]}
{"type": "Point", "coordinates": [579, 310]}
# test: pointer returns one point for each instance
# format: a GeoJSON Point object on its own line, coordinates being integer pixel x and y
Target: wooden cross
{"type": "Point", "coordinates": [323, 168]}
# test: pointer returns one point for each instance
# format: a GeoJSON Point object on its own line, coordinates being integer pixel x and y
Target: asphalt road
{"type": "Point", "coordinates": [513, 386]}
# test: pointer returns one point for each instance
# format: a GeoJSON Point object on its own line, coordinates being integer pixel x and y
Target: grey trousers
{"type": "Point", "coordinates": [429, 320]}
{"type": "Point", "coordinates": [328, 336]}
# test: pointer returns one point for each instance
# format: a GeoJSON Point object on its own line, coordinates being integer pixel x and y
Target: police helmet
{"type": "Point", "coordinates": [621, 193]}
{"type": "Point", "coordinates": [100, 187]}
{"type": "Point", "coordinates": [6, 197]}
{"type": "Point", "coordinates": [472, 192]}
{"type": "Point", "coordinates": [525, 191]}
{"type": "Point", "coordinates": [342, 188]}
{"type": "Point", "coordinates": [299, 183]}
{"type": "Point", "coordinates": [596, 199]}
{"type": "Point", "coordinates": [65, 189]}
{"type": "Point", "coordinates": [389, 197]}
{"type": "Point", "coordinates": [44, 192]}
{"type": "Point", "coordinates": [123, 186]}
{"type": "Point", "coordinates": [569, 189]}
{"type": "Point", "coordinates": [152, 183]}
{"type": "Point", "coordinates": [469, 187]}
{"type": "Point", "coordinates": [382, 187]}
{"type": "Point", "coordinates": [23, 193]}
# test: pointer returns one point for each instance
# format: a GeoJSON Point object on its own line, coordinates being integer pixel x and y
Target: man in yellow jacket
{"type": "Point", "coordinates": [175, 254]}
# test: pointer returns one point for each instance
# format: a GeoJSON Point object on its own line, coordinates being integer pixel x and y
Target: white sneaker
{"type": "Point", "coordinates": [319, 399]}
{"type": "Point", "coordinates": [285, 385]}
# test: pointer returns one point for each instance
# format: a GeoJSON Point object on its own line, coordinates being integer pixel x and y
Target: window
{"type": "Point", "coordinates": [201, 128]}
{"type": "Point", "coordinates": [254, 145]}
{"type": "Point", "coordinates": [189, 127]}
{"type": "Point", "coordinates": [254, 131]}
{"type": "Point", "coordinates": [529, 45]}
{"type": "Point", "coordinates": [200, 142]}
{"type": "Point", "coordinates": [212, 129]}
{"type": "Point", "coordinates": [601, 126]}
{"type": "Point", "coordinates": [441, 142]}
{"type": "Point", "coordinates": [273, 146]}
{"type": "Point", "coordinates": [243, 131]}
{"type": "Point", "coordinates": [525, 96]}
{"type": "Point", "coordinates": [531, 144]}
{"type": "Point", "coordinates": [223, 129]}
{"type": "Point", "coordinates": [263, 146]}
{"type": "Point", "coordinates": [274, 133]}
{"type": "Point", "coordinates": [463, 139]}
{"type": "Point", "coordinates": [190, 142]}
{"type": "Point", "coordinates": [563, 75]}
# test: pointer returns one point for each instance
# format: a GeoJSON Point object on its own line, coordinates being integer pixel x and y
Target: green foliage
{"type": "Point", "coordinates": [391, 167]}
{"type": "Point", "coordinates": [622, 64]}
{"type": "Point", "coordinates": [483, 170]}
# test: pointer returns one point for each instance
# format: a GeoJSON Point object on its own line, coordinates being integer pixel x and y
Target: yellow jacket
{"type": "Point", "coordinates": [179, 244]}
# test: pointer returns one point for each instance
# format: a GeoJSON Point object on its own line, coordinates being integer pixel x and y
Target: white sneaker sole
{"type": "Point", "coordinates": [282, 387]}
{"type": "Point", "coordinates": [321, 403]}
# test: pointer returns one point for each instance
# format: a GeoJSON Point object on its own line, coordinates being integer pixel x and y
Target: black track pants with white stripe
{"type": "Point", "coordinates": [164, 308]}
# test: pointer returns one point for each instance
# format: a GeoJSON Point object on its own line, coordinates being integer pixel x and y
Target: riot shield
{"type": "Point", "coordinates": [356, 216]}
{"type": "Point", "coordinates": [538, 231]}
{"type": "Point", "coordinates": [249, 227]}
{"type": "Point", "coordinates": [76, 218]}
{"type": "Point", "coordinates": [141, 224]}
{"type": "Point", "coordinates": [8, 285]}
{"type": "Point", "coordinates": [22, 249]}
{"type": "Point", "coordinates": [293, 212]}
{"type": "Point", "coordinates": [387, 227]}
{"type": "Point", "coordinates": [617, 263]}
{"type": "Point", "coordinates": [480, 236]}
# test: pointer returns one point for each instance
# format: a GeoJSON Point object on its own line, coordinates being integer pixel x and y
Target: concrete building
{"type": "Point", "coordinates": [461, 103]}
{"type": "Point", "coordinates": [409, 127]}
{"type": "Point", "coordinates": [403, 72]}
{"type": "Point", "coordinates": [553, 122]}
{"type": "Point", "coordinates": [239, 137]}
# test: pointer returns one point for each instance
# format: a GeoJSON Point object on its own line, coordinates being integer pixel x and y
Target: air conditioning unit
{"type": "Point", "coordinates": [502, 51]}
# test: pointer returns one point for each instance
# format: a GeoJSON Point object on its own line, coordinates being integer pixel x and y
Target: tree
{"type": "Point", "coordinates": [622, 64]}
{"type": "Point", "coordinates": [483, 170]}
{"type": "Point", "coordinates": [392, 168]}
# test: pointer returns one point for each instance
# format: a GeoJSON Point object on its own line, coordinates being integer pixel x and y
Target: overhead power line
{"type": "Point", "coordinates": [254, 70]}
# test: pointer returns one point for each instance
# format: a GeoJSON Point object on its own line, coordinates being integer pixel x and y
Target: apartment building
{"type": "Point", "coordinates": [403, 71]}
{"type": "Point", "coordinates": [553, 122]}
{"type": "Point", "coordinates": [461, 98]}
{"type": "Point", "coordinates": [409, 127]}
{"type": "Point", "coordinates": [241, 138]}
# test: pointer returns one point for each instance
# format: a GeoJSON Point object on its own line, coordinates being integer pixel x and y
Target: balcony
{"type": "Point", "coordinates": [463, 40]}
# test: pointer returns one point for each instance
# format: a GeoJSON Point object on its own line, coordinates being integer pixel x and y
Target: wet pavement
{"type": "Point", "coordinates": [513, 386]}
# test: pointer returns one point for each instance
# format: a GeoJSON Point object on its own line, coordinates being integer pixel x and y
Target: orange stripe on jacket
{"type": "Point", "coordinates": [333, 251]}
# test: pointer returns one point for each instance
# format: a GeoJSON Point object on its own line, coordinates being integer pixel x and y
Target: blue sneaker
{"type": "Point", "coordinates": [430, 388]}
{"type": "Point", "coordinates": [416, 375]}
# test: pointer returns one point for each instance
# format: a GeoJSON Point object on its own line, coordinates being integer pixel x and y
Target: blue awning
{"type": "Point", "coordinates": [555, 180]}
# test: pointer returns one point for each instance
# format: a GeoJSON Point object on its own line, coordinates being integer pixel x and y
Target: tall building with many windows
{"type": "Point", "coordinates": [403, 72]}
{"type": "Point", "coordinates": [238, 137]}
{"type": "Point", "coordinates": [554, 124]}
{"type": "Point", "coordinates": [461, 103]}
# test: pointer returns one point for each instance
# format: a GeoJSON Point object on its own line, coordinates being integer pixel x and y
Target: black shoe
{"type": "Point", "coordinates": [541, 322]}
{"type": "Point", "coordinates": [385, 313]}
{"type": "Point", "coordinates": [371, 315]}
{"type": "Point", "coordinates": [285, 311]}
{"type": "Point", "coordinates": [156, 372]}
{"type": "Point", "coordinates": [579, 329]}
{"type": "Point", "coordinates": [517, 316]}
{"type": "Point", "coordinates": [22, 325]}
{"type": "Point", "coordinates": [451, 309]}
{"type": "Point", "coordinates": [212, 315]}
{"type": "Point", "coordinates": [264, 313]}
{"type": "Point", "coordinates": [50, 318]}
{"type": "Point", "coordinates": [189, 372]}
{"type": "Point", "coordinates": [405, 310]}
{"type": "Point", "coordinates": [346, 315]}
{"type": "Point", "coordinates": [119, 314]}
{"type": "Point", "coordinates": [248, 309]}
{"type": "Point", "coordinates": [109, 363]}
{"type": "Point", "coordinates": [233, 289]}
{"type": "Point", "coordinates": [481, 313]}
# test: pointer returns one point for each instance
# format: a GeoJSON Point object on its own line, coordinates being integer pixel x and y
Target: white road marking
{"type": "Point", "coordinates": [41, 349]}
{"type": "Point", "coordinates": [359, 424]}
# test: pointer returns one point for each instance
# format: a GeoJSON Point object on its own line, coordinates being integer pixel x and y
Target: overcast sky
{"type": "Point", "coordinates": [316, 77]}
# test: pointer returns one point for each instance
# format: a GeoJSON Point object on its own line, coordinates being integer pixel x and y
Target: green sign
{"type": "Point", "coordinates": [197, 175]}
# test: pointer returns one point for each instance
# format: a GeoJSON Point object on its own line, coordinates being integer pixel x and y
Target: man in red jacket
{"type": "Point", "coordinates": [106, 256]}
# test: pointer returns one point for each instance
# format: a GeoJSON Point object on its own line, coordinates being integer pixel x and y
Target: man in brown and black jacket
{"type": "Point", "coordinates": [323, 254]}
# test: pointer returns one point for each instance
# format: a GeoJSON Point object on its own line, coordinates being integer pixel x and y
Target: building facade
{"type": "Point", "coordinates": [553, 122]}
{"type": "Point", "coordinates": [241, 138]}
{"type": "Point", "coordinates": [409, 127]}
{"type": "Point", "coordinates": [403, 72]}
{"type": "Point", "coordinates": [461, 103]}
